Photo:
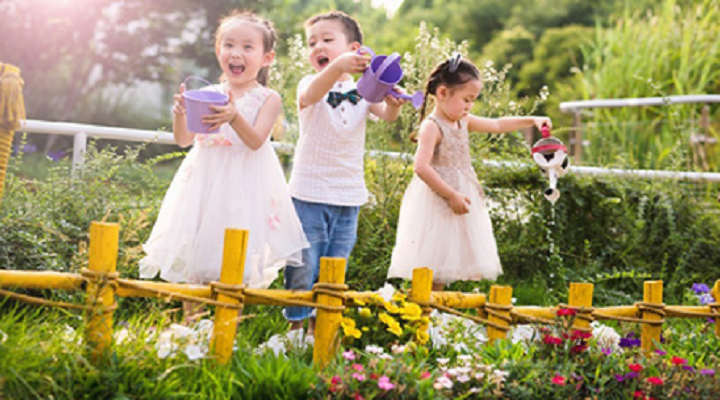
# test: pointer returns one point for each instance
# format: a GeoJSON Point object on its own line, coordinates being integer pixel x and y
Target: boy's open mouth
{"type": "Point", "coordinates": [323, 61]}
{"type": "Point", "coordinates": [237, 69]}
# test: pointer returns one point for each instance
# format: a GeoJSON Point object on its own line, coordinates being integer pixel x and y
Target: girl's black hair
{"type": "Point", "coordinates": [268, 31]}
{"type": "Point", "coordinates": [443, 75]}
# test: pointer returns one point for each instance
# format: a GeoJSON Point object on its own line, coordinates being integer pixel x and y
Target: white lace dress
{"type": "Point", "coordinates": [222, 184]}
{"type": "Point", "coordinates": [429, 234]}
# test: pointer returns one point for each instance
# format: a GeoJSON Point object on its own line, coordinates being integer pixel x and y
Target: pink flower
{"type": "Point", "coordinates": [635, 367]}
{"type": "Point", "coordinates": [655, 380]}
{"type": "Point", "coordinates": [384, 383]}
{"type": "Point", "coordinates": [678, 361]}
{"type": "Point", "coordinates": [358, 397]}
{"type": "Point", "coordinates": [638, 394]}
{"type": "Point", "coordinates": [357, 367]}
{"type": "Point", "coordinates": [424, 375]}
{"type": "Point", "coordinates": [349, 355]}
{"type": "Point", "coordinates": [550, 339]}
{"type": "Point", "coordinates": [559, 380]}
{"type": "Point", "coordinates": [359, 377]}
{"type": "Point", "coordinates": [565, 311]}
{"type": "Point", "coordinates": [336, 380]}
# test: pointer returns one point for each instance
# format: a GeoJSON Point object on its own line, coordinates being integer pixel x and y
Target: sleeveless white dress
{"type": "Point", "coordinates": [222, 184]}
{"type": "Point", "coordinates": [429, 234]}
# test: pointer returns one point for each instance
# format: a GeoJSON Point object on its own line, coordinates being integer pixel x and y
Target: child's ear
{"type": "Point", "coordinates": [268, 58]}
{"type": "Point", "coordinates": [354, 46]}
{"type": "Point", "coordinates": [442, 92]}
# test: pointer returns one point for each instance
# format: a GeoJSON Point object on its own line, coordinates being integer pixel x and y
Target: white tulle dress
{"type": "Point", "coordinates": [222, 184]}
{"type": "Point", "coordinates": [456, 247]}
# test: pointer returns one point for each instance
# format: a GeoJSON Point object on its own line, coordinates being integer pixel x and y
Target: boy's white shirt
{"type": "Point", "coordinates": [328, 164]}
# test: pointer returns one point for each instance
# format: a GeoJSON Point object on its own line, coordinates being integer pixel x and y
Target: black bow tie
{"type": "Point", "coordinates": [335, 98]}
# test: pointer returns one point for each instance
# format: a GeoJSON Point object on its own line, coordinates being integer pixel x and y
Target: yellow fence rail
{"type": "Point", "coordinates": [329, 296]}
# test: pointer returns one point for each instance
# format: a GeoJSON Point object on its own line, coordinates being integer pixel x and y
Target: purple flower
{"type": "Point", "coordinates": [706, 298]}
{"type": "Point", "coordinates": [688, 368]}
{"type": "Point", "coordinates": [708, 372]}
{"type": "Point", "coordinates": [711, 320]}
{"type": "Point", "coordinates": [620, 377]}
{"type": "Point", "coordinates": [28, 148]}
{"type": "Point", "coordinates": [631, 375]}
{"type": "Point", "coordinates": [606, 350]}
{"type": "Point", "coordinates": [56, 155]}
{"type": "Point", "coordinates": [700, 288]}
{"type": "Point", "coordinates": [629, 341]}
{"type": "Point", "coordinates": [661, 352]}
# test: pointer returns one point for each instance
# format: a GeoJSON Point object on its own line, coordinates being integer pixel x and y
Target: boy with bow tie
{"type": "Point", "coordinates": [327, 181]}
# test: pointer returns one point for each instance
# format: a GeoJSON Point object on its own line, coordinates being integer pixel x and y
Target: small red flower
{"type": "Point", "coordinates": [581, 335]}
{"type": "Point", "coordinates": [550, 339]}
{"type": "Point", "coordinates": [559, 380]}
{"type": "Point", "coordinates": [635, 367]}
{"type": "Point", "coordinates": [374, 376]}
{"type": "Point", "coordinates": [678, 361]}
{"type": "Point", "coordinates": [565, 311]}
{"type": "Point", "coordinates": [655, 380]}
{"type": "Point", "coordinates": [336, 380]}
{"type": "Point", "coordinates": [638, 394]}
{"type": "Point", "coordinates": [578, 349]}
{"type": "Point", "coordinates": [358, 397]}
{"type": "Point", "coordinates": [424, 375]}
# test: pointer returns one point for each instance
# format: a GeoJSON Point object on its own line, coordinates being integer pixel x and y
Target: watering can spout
{"type": "Point", "coordinates": [380, 78]}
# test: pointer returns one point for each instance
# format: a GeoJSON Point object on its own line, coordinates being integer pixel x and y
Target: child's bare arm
{"type": "Point", "coordinates": [182, 136]}
{"type": "Point", "coordinates": [347, 63]}
{"type": "Point", "coordinates": [428, 137]}
{"type": "Point", "coordinates": [252, 135]}
{"type": "Point", "coordinates": [505, 124]}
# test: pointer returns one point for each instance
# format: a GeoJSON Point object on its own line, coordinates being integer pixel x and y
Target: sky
{"type": "Point", "coordinates": [390, 5]}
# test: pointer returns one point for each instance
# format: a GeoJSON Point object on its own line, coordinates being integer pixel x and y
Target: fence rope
{"type": "Point", "coordinates": [714, 311]}
{"type": "Point", "coordinates": [654, 308]}
{"type": "Point", "coordinates": [490, 308]}
{"type": "Point", "coordinates": [169, 295]}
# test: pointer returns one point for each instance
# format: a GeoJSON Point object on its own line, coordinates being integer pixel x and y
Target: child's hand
{"type": "Point", "coordinates": [223, 114]}
{"type": "Point", "coordinates": [352, 63]}
{"type": "Point", "coordinates": [393, 101]}
{"type": "Point", "coordinates": [459, 203]}
{"type": "Point", "coordinates": [540, 121]}
{"type": "Point", "coordinates": [179, 101]}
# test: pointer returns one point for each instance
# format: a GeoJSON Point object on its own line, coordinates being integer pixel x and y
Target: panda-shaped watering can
{"type": "Point", "coordinates": [550, 154]}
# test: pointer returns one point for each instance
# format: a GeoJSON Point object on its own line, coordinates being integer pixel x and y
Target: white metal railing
{"type": "Point", "coordinates": [81, 132]}
{"type": "Point", "coordinates": [574, 106]}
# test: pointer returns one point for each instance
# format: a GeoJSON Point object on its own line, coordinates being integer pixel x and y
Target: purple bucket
{"type": "Point", "coordinates": [197, 104]}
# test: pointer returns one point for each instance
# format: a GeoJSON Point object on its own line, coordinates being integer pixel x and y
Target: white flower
{"type": "Point", "coordinates": [460, 347]}
{"type": "Point", "coordinates": [474, 390]}
{"type": "Point", "coordinates": [180, 331]}
{"type": "Point", "coordinates": [70, 336]}
{"type": "Point", "coordinates": [479, 375]}
{"type": "Point", "coordinates": [524, 333]}
{"type": "Point", "coordinates": [463, 378]}
{"type": "Point", "coordinates": [443, 361]}
{"type": "Point", "coordinates": [387, 292]}
{"type": "Point", "coordinates": [194, 352]}
{"type": "Point", "coordinates": [606, 336]}
{"type": "Point", "coordinates": [464, 358]}
{"type": "Point", "coordinates": [275, 343]}
{"type": "Point", "coordinates": [373, 349]}
{"type": "Point", "coordinates": [165, 349]}
{"type": "Point", "coordinates": [397, 349]}
{"type": "Point", "coordinates": [443, 382]}
{"type": "Point", "coordinates": [385, 356]}
{"type": "Point", "coordinates": [3, 337]}
{"type": "Point", "coordinates": [121, 336]}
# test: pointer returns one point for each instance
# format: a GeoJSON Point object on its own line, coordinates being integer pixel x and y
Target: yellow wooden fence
{"type": "Point", "coordinates": [329, 296]}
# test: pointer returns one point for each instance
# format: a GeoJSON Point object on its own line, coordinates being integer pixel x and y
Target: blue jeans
{"type": "Point", "coordinates": [332, 232]}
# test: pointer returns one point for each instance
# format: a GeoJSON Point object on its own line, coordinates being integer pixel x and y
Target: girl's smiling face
{"type": "Point", "coordinates": [456, 102]}
{"type": "Point", "coordinates": [327, 41]}
{"type": "Point", "coordinates": [241, 52]}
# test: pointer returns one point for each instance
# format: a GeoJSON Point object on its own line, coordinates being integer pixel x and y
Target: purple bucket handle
{"type": "Point", "coordinates": [367, 50]}
{"type": "Point", "coordinates": [198, 103]}
{"type": "Point", "coordinates": [416, 99]}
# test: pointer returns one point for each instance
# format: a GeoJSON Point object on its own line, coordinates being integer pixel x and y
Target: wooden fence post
{"type": "Point", "coordinates": [499, 295]}
{"type": "Point", "coordinates": [233, 269]}
{"type": "Point", "coordinates": [327, 326]}
{"type": "Point", "coordinates": [103, 255]}
{"type": "Point", "coordinates": [581, 296]}
{"type": "Point", "coordinates": [422, 291]}
{"type": "Point", "coordinates": [716, 307]}
{"type": "Point", "coordinates": [653, 294]}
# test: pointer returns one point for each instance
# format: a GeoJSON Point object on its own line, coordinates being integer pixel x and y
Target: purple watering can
{"type": "Point", "coordinates": [381, 76]}
{"type": "Point", "coordinates": [197, 104]}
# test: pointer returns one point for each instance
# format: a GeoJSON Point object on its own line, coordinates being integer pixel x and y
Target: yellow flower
{"type": "Point", "coordinates": [352, 332]}
{"type": "Point", "coordinates": [398, 297]}
{"type": "Point", "coordinates": [365, 329]}
{"type": "Point", "coordinates": [425, 320]}
{"type": "Point", "coordinates": [388, 320]}
{"type": "Point", "coordinates": [392, 308]}
{"type": "Point", "coordinates": [422, 337]}
{"type": "Point", "coordinates": [347, 323]}
{"type": "Point", "coordinates": [395, 329]}
{"type": "Point", "coordinates": [359, 301]}
{"type": "Point", "coordinates": [412, 312]}
{"type": "Point", "coordinates": [365, 312]}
